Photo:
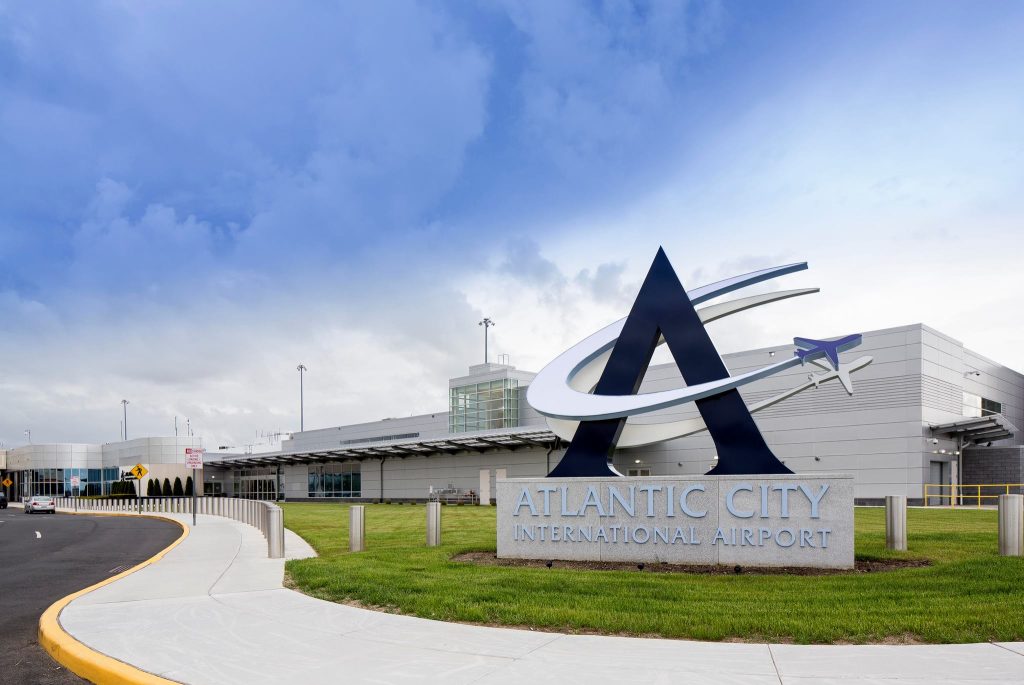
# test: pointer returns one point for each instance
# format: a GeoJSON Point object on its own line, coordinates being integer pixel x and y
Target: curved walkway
{"type": "Point", "coordinates": [213, 610]}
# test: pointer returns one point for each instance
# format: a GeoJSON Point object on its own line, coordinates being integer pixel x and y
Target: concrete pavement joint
{"type": "Point", "coordinates": [774, 665]}
{"type": "Point", "coordinates": [1011, 651]}
{"type": "Point", "coordinates": [234, 557]}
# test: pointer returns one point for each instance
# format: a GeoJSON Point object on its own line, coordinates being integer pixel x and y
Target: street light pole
{"type": "Point", "coordinates": [301, 368]}
{"type": "Point", "coordinates": [124, 406]}
{"type": "Point", "coordinates": [486, 323]}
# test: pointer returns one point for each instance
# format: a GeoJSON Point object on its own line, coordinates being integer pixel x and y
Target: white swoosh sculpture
{"type": "Point", "coordinates": [562, 390]}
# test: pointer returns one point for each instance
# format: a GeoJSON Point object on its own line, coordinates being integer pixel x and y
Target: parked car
{"type": "Point", "coordinates": [40, 504]}
{"type": "Point", "coordinates": [3, 501]}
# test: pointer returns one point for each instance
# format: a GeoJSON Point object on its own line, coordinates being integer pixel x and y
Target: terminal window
{"type": "Point", "coordinates": [975, 406]}
{"type": "Point", "coordinates": [335, 480]}
{"type": "Point", "coordinates": [57, 482]}
{"type": "Point", "coordinates": [484, 406]}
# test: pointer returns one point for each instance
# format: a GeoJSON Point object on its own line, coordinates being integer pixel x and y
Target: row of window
{"type": "Point", "coordinates": [335, 480]}
{"type": "Point", "coordinates": [380, 438]}
{"type": "Point", "coordinates": [57, 482]}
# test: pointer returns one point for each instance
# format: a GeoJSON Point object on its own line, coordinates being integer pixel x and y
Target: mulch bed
{"type": "Point", "coordinates": [874, 566]}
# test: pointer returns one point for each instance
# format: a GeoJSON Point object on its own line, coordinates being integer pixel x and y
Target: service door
{"type": "Point", "coordinates": [938, 474]}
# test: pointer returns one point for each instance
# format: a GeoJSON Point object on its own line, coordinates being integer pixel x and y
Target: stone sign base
{"type": "Point", "coordinates": [803, 520]}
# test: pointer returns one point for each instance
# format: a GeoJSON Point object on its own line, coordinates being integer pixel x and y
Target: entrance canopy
{"type": "Point", "coordinates": [976, 430]}
{"type": "Point", "coordinates": [483, 441]}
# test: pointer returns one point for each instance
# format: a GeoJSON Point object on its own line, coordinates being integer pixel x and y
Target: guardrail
{"type": "Point", "coordinates": [968, 494]}
{"type": "Point", "coordinates": [265, 516]}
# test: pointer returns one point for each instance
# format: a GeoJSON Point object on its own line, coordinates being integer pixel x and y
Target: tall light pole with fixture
{"type": "Point", "coordinates": [28, 434]}
{"type": "Point", "coordinates": [486, 323]}
{"type": "Point", "coordinates": [124, 407]}
{"type": "Point", "coordinates": [301, 368]}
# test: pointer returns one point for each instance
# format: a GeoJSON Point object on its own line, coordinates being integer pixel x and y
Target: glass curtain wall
{"type": "Point", "coordinates": [484, 406]}
{"type": "Point", "coordinates": [57, 482]}
{"type": "Point", "coordinates": [335, 480]}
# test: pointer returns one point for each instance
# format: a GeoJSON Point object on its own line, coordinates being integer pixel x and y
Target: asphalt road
{"type": "Point", "coordinates": [44, 557]}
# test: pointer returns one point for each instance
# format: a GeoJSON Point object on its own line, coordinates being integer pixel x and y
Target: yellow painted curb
{"type": "Point", "coordinates": [87, 663]}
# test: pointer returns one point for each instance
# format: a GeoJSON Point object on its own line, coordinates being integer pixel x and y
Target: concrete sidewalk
{"type": "Point", "coordinates": [214, 611]}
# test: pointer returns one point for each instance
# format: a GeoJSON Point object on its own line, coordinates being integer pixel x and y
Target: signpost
{"type": "Point", "coordinates": [137, 472]}
{"type": "Point", "coordinates": [194, 461]}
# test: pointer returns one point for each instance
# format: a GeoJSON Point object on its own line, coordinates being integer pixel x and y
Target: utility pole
{"type": "Point", "coordinates": [301, 368]}
{"type": "Point", "coordinates": [486, 323]}
{"type": "Point", "coordinates": [124, 406]}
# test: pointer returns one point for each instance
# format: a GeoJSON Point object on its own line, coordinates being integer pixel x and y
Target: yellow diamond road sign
{"type": "Point", "coordinates": [139, 471]}
{"type": "Point", "coordinates": [8, 482]}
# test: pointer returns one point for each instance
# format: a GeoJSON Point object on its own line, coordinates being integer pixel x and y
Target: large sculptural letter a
{"type": "Point", "coordinates": [664, 309]}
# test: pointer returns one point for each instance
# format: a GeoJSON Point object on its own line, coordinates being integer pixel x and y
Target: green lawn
{"type": "Point", "coordinates": [969, 594]}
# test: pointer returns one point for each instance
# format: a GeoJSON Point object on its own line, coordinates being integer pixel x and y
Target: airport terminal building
{"type": "Point", "coordinates": [48, 468]}
{"type": "Point", "coordinates": [925, 410]}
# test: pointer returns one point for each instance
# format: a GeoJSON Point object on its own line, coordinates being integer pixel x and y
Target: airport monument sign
{"type": "Point", "coordinates": [750, 509]}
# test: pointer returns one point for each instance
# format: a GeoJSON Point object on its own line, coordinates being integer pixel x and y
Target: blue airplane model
{"type": "Point", "coordinates": [810, 349]}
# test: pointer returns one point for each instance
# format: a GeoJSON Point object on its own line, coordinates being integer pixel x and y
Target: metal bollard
{"type": "Point", "coordinates": [1011, 525]}
{"type": "Point", "coordinates": [896, 522]}
{"type": "Point", "coordinates": [433, 524]}
{"type": "Point", "coordinates": [275, 532]}
{"type": "Point", "coordinates": [356, 528]}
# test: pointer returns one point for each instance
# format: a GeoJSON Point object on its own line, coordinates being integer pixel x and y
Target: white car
{"type": "Point", "coordinates": [40, 504]}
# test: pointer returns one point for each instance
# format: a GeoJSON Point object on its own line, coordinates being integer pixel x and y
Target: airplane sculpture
{"type": "Point", "coordinates": [811, 349]}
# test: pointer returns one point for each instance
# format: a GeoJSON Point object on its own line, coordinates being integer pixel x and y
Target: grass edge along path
{"type": "Point", "coordinates": [968, 594]}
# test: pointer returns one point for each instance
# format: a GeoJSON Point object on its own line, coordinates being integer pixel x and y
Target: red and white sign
{"type": "Point", "coordinates": [194, 457]}
{"type": "Point", "coordinates": [75, 481]}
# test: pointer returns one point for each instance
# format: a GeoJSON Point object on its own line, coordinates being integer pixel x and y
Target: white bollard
{"type": "Point", "coordinates": [896, 523]}
{"type": "Point", "coordinates": [356, 528]}
{"type": "Point", "coordinates": [1011, 525]}
{"type": "Point", "coordinates": [433, 524]}
{"type": "Point", "coordinates": [275, 532]}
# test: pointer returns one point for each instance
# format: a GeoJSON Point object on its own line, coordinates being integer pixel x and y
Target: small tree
{"type": "Point", "coordinates": [151, 488]}
{"type": "Point", "coordinates": [167, 488]}
{"type": "Point", "coordinates": [130, 489]}
{"type": "Point", "coordinates": [188, 486]}
{"type": "Point", "coordinates": [178, 490]}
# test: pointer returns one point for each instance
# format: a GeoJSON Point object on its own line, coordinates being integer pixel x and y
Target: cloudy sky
{"type": "Point", "coordinates": [196, 197]}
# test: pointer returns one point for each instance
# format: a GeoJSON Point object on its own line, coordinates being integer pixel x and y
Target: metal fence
{"type": "Point", "coordinates": [265, 516]}
{"type": "Point", "coordinates": [968, 494]}
{"type": "Point", "coordinates": [452, 495]}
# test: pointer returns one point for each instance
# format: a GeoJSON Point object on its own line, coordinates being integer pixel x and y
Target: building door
{"type": "Point", "coordinates": [938, 474]}
{"type": "Point", "coordinates": [638, 472]}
